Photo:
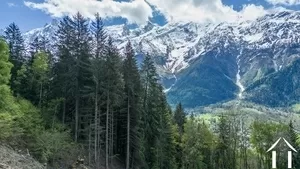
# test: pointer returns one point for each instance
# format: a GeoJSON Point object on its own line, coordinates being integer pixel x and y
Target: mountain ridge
{"type": "Point", "coordinates": [236, 54]}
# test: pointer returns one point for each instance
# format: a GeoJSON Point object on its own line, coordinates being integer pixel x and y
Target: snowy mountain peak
{"type": "Point", "coordinates": [177, 44]}
{"type": "Point", "coordinates": [208, 61]}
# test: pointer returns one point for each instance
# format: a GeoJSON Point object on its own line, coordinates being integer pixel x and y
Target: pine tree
{"type": "Point", "coordinates": [62, 84]}
{"type": "Point", "coordinates": [71, 70]}
{"type": "Point", "coordinates": [165, 145]}
{"type": "Point", "coordinates": [180, 118]}
{"type": "Point", "coordinates": [113, 92]}
{"type": "Point", "coordinates": [82, 61]}
{"type": "Point", "coordinates": [40, 69]}
{"type": "Point", "coordinates": [97, 69]}
{"type": "Point", "coordinates": [197, 146]}
{"type": "Point", "coordinates": [158, 139]}
{"type": "Point", "coordinates": [150, 118]}
{"type": "Point", "coordinates": [224, 149]}
{"type": "Point", "coordinates": [38, 45]}
{"type": "Point", "coordinates": [15, 42]}
{"type": "Point", "coordinates": [133, 103]}
{"type": "Point", "coordinates": [99, 36]}
{"type": "Point", "coordinates": [34, 46]}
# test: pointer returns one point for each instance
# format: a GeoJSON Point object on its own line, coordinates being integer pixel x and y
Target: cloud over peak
{"type": "Point", "coordinates": [139, 11]}
{"type": "Point", "coordinates": [136, 11]}
{"type": "Point", "coordinates": [284, 2]}
{"type": "Point", "coordinates": [205, 10]}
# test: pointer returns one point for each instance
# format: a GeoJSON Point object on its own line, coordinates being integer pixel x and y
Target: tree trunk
{"type": "Point", "coordinates": [90, 141]}
{"type": "Point", "coordinates": [106, 137]}
{"type": "Point", "coordinates": [77, 92]}
{"type": "Point", "coordinates": [112, 135]}
{"type": "Point", "coordinates": [128, 133]}
{"type": "Point", "coordinates": [41, 93]}
{"type": "Point", "coordinates": [64, 111]}
{"type": "Point", "coordinates": [96, 124]}
{"type": "Point", "coordinates": [76, 116]}
{"type": "Point", "coordinates": [99, 137]}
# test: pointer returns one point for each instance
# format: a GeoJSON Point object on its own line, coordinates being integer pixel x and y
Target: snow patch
{"type": "Point", "coordinates": [167, 90]}
{"type": "Point", "coordinates": [253, 38]}
{"type": "Point", "coordinates": [238, 78]}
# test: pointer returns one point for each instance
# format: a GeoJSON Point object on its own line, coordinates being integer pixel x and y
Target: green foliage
{"type": "Point", "coordinates": [15, 42]}
{"type": "Point", "coordinates": [294, 140]}
{"type": "Point", "coordinates": [263, 136]}
{"type": "Point", "coordinates": [132, 101]}
{"type": "Point", "coordinates": [198, 143]}
{"type": "Point", "coordinates": [21, 123]}
{"type": "Point", "coordinates": [180, 118]}
{"type": "Point", "coordinates": [40, 66]}
{"type": "Point", "coordinates": [8, 110]}
{"type": "Point", "coordinates": [54, 145]}
{"type": "Point", "coordinates": [5, 66]}
{"type": "Point", "coordinates": [158, 130]}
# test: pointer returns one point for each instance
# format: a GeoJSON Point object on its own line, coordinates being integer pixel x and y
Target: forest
{"type": "Point", "coordinates": [84, 99]}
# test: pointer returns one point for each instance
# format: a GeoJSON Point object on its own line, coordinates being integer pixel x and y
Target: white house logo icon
{"type": "Point", "coordinates": [274, 155]}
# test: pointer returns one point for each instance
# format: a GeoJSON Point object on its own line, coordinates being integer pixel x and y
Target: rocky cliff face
{"type": "Point", "coordinates": [203, 64]}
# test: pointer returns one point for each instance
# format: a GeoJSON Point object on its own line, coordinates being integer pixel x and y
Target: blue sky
{"type": "Point", "coordinates": [34, 15]}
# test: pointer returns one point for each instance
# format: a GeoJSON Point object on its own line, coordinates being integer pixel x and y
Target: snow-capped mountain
{"type": "Point", "coordinates": [47, 31]}
{"type": "Point", "coordinates": [202, 64]}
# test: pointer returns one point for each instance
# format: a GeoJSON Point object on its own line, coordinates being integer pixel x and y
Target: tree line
{"type": "Point", "coordinates": [87, 99]}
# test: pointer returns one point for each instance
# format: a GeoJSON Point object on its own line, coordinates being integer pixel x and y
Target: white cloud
{"type": "Point", "coordinates": [251, 12]}
{"type": "Point", "coordinates": [11, 4]}
{"type": "Point", "coordinates": [136, 11]}
{"type": "Point", "coordinates": [139, 11]}
{"type": "Point", "coordinates": [284, 2]}
{"type": "Point", "coordinates": [205, 10]}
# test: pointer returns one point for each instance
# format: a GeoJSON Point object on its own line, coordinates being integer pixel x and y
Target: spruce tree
{"type": "Point", "coordinates": [63, 73]}
{"type": "Point", "coordinates": [34, 46]}
{"type": "Point", "coordinates": [150, 118]}
{"type": "Point", "coordinates": [71, 71]}
{"type": "Point", "coordinates": [15, 42]}
{"type": "Point", "coordinates": [38, 45]}
{"type": "Point", "coordinates": [158, 135]}
{"type": "Point", "coordinates": [180, 118]}
{"type": "Point", "coordinates": [99, 36]}
{"type": "Point", "coordinates": [81, 56]}
{"type": "Point", "coordinates": [224, 150]}
{"type": "Point", "coordinates": [113, 92]}
{"type": "Point", "coordinates": [98, 71]}
{"type": "Point", "coordinates": [165, 145]}
{"type": "Point", "coordinates": [133, 105]}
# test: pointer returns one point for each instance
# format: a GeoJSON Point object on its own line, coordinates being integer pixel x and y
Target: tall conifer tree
{"type": "Point", "coordinates": [15, 42]}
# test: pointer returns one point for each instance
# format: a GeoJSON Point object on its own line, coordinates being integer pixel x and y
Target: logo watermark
{"type": "Point", "coordinates": [274, 153]}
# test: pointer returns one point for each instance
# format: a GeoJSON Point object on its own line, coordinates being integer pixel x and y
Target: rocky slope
{"type": "Point", "coordinates": [203, 64]}
{"type": "Point", "coordinates": [10, 159]}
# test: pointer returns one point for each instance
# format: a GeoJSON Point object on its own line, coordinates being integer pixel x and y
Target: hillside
{"type": "Point", "coordinates": [11, 159]}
